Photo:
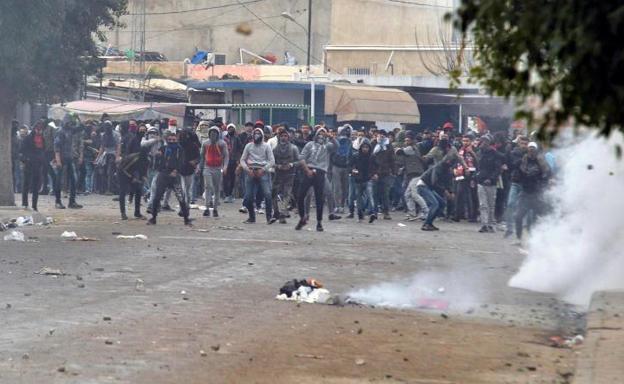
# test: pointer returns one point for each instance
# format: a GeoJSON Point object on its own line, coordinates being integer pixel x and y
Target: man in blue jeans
{"type": "Point", "coordinates": [433, 185]}
{"type": "Point", "coordinates": [514, 161]}
{"type": "Point", "coordinates": [257, 161]}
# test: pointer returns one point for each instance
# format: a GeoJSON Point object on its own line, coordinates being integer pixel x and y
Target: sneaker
{"type": "Point", "coordinates": [138, 216]}
{"type": "Point", "coordinates": [271, 220]}
{"type": "Point", "coordinates": [188, 221]}
{"type": "Point", "coordinates": [282, 220]}
{"type": "Point", "coordinates": [334, 217]}
{"type": "Point", "coordinates": [124, 216]}
{"type": "Point", "coordinates": [423, 216]}
{"type": "Point", "coordinates": [319, 227]}
{"type": "Point", "coordinates": [300, 224]}
{"type": "Point", "coordinates": [386, 216]}
{"type": "Point", "coordinates": [491, 229]}
{"type": "Point", "coordinates": [249, 221]}
{"type": "Point", "coordinates": [149, 210]}
{"type": "Point", "coordinates": [435, 228]}
{"type": "Point", "coordinates": [215, 213]}
{"type": "Point", "coordinates": [484, 229]}
{"type": "Point", "coordinates": [260, 211]}
{"type": "Point", "coordinates": [74, 205]}
{"type": "Point", "coordinates": [350, 215]}
{"type": "Point", "coordinates": [151, 221]}
{"type": "Point", "coordinates": [427, 227]}
{"type": "Point", "coordinates": [372, 218]}
{"type": "Point", "coordinates": [206, 213]}
{"type": "Point", "coordinates": [243, 210]}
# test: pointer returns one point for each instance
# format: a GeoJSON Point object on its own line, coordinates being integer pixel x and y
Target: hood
{"type": "Point", "coordinates": [345, 129]}
{"type": "Point", "coordinates": [214, 128]}
{"type": "Point", "coordinates": [362, 142]}
{"type": "Point", "coordinates": [258, 130]}
{"type": "Point", "coordinates": [318, 131]}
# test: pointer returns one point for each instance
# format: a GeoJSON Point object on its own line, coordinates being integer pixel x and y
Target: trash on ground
{"type": "Point", "coordinates": [132, 237]}
{"type": "Point", "coordinates": [305, 291]}
{"type": "Point", "coordinates": [401, 225]}
{"type": "Point", "coordinates": [23, 221]}
{"type": "Point", "coordinates": [139, 285]}
{"type": "Point", "coordinates": [230, 228]}
{"type": "Point", "coordinates": [360, 362]}
{"type": "Point", "coordinates": [562, 342]}
{"type": "Point", "coordinates": [69, 235]}
{"type": "Point", "coordinates": [50, 271]}
{"type": "Point", "coordinates": [14, 236]}
{"type": "Point", "coordinates": [307, 356]}
{"type": "Point", "coordinates": [83, 238]}
{"type": "Point", "coordinates": [201, 230]}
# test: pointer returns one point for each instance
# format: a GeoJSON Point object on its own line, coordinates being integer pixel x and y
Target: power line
{"type": "Point", "coordinates": [199, 9]}
{"type": "Point", "coordinates": [278, 32]}
{"type": "Point", "coordinates": [415, 3]}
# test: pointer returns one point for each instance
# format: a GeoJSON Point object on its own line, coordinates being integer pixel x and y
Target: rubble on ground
{"type": "Point", "coordinates": [305, 291]}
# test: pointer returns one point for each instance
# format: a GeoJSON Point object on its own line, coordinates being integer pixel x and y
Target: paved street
{"type": "Point", "coordinates": [97, 324]}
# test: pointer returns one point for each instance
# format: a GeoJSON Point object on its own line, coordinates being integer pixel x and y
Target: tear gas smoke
{"type": "Point", "coordinates": [579, 247]}
{"type": "Point", "coordinates": [429, 290]}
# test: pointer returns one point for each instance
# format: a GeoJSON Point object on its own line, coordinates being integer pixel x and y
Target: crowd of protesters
{"type": "Point", "coordinates": [497, 180]}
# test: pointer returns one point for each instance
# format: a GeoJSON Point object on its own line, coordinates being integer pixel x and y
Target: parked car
{"type": "Point", "coordinates": [151, 56]}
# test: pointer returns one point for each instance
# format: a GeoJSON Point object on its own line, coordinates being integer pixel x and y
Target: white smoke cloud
{"type": "Point", "coordinates": [579, 248]}
{"type": "Point", "coordinates": [442, 290]}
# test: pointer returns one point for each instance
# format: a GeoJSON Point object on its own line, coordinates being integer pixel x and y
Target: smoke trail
{"type": "Point", "coordinates": [452, 291]}
{"type": "Point", "coordinates": [579, 248]}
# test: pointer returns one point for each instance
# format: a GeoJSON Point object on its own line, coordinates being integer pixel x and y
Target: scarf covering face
{"type": "Point", "coordinates": [381, 145]}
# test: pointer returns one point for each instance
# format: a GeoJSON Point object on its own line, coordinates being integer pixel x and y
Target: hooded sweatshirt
{"type": "Point", "coordinates": [365, 164]}
{"type": "Point", "coordinates": [317, 155]}
{"type": "Point", "coordinates": [344, 153]}
{"type": "Point", "coordinates": [286, 154]}
{"type": "Point", "coordinates": [214, 154]}
{"type": "Point", "coordinates": [257, 155]}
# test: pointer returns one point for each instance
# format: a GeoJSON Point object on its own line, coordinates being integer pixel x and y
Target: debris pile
{"type": "Point", "coordinates": [305, 291]}
{"type": "Point", "coordinates": [24, 221]}
{"type": "Point", "coordinates": [14, 236]}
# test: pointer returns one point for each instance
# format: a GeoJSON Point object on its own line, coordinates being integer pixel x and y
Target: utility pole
{"type": "Point", "coordinates": [309, 34]}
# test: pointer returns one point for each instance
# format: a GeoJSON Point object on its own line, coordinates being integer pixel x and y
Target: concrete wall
{"type": "Point", "coordinates": [212, 24]}
{"type": "Point", "coordinates": [386, 23]}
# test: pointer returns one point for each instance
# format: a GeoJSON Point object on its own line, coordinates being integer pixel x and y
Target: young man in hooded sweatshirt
{"type": "Point", "coordinates": [257, 161]}
{"type": "Point", "coordinates": [363, 173]}
{"type": "Point", "coordinates": [214, 166]}
{"type": "Point", "coordinates": [170, 159]}
{"type": "Point", "coordinates": [341, 166]}
{"type": "Point", "coordinates": [315, 163]}
{"type": "Point", "coordinates": [286, 160]}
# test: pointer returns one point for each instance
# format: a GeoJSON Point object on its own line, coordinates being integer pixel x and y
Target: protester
{"type": "Point", "coordinates": [32, 155]}
{"type": "Point", "coordinates": [363, 173]}
{"type": "Point", "coordinates": [341, 167]}
{"type": "Point", "coordinates": [213, 167]}
{"type": "Point", "coordinates": [386, 162]}
{"type": "Point", "coordinates": [235, 150]}
{"type": "Point", "coordinates": [491, 163]}
{"type": "Point", "coordinates": [533, 173]}
{"type": "Point", "coordinates": [315, 158]}
{"type": "Point", "coordinates": [132, 170]}
{"type": "Point", "coordinates": [170, 159]}
{"type": "Point", "coordinates": [286, 161]}
{"type": "Point", "coordinates": [64, 163]}
{"type": "Point", "coordinates": [257, 161]}
{"type": "Point", "coordinates": [464, 181]}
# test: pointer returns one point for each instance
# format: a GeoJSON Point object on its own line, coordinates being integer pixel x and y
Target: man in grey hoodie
{"type": "Point", "coordinates": [213, 165]}
{"type": "Point", "coordinates": [257, 161]}
{"type": "Point", "coordinates": [315, 162]}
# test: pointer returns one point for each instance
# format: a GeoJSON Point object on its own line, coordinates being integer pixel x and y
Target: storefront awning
{"type": "Point", "coordinates": [363, 103]}
{"type": "Point", "coordinates": [117, 110]}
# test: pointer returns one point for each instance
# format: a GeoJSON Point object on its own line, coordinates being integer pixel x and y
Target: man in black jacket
{"type": "Point", "coordinates": [132, 169]}
{"type": "Point", "coordinates": [433, 185]}
{"type": "Point", "coordinates": [533, 177]}
{"type": "Point", "coordinates": [32, 155]}
{"type": "Point", "coordinates": [514, 159]}
{"type": "Point", "coordinates": [169, 159]}
{"type": "Point", "coordinates": [491, 163]}
{"type": "Point", "coordinates": [363, 173]}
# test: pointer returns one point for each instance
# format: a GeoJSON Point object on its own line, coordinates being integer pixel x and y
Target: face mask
{"type": "Point", "coordinates": [257, 138]}
{"type": "Point", "coordinates": [283, 141]}
{"type": "Point", "coordinates": [320, 139]}
{"type": "Point", "coordinates": [443, 143]}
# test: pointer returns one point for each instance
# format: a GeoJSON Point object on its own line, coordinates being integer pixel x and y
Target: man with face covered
{"type": "Point", "coordinates": [235, 150]}
{"type": "Point", "coordinates": [491, 163]}
{"type": "Point", "coordinates": [257, 161]}
{"type": "Point", "coordinates": [386, 161]}
{"type": "Point", "coordinates": [533, 178]}
{"type": "Point", "coordinates": [32, 154]}
{"type": "Point", "coordinates": [191, 147]}
{"type": "Point", "coordinates": [169, 160]}
{"type": "Point", "coordinates": [341, 167]}
{"type": "Point", "coordinates": [286, 160]}
{"type": "Point", "coordinates": [64, 163]}
{"type": "Point", "coordinates": [132, 168]}
{"type": "Point", "coordinates": [213, 167]}
{"type": "Point", "coordinates": [315, 159]}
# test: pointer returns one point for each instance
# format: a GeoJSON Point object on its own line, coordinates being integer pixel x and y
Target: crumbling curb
{"type": "Point", "coordinates": [601, 359]}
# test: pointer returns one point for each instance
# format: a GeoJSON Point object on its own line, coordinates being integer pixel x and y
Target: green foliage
{"type": "Point", "coordinates": [567, 51]}
{"type": "Point", "coordinates": [46, 46]}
